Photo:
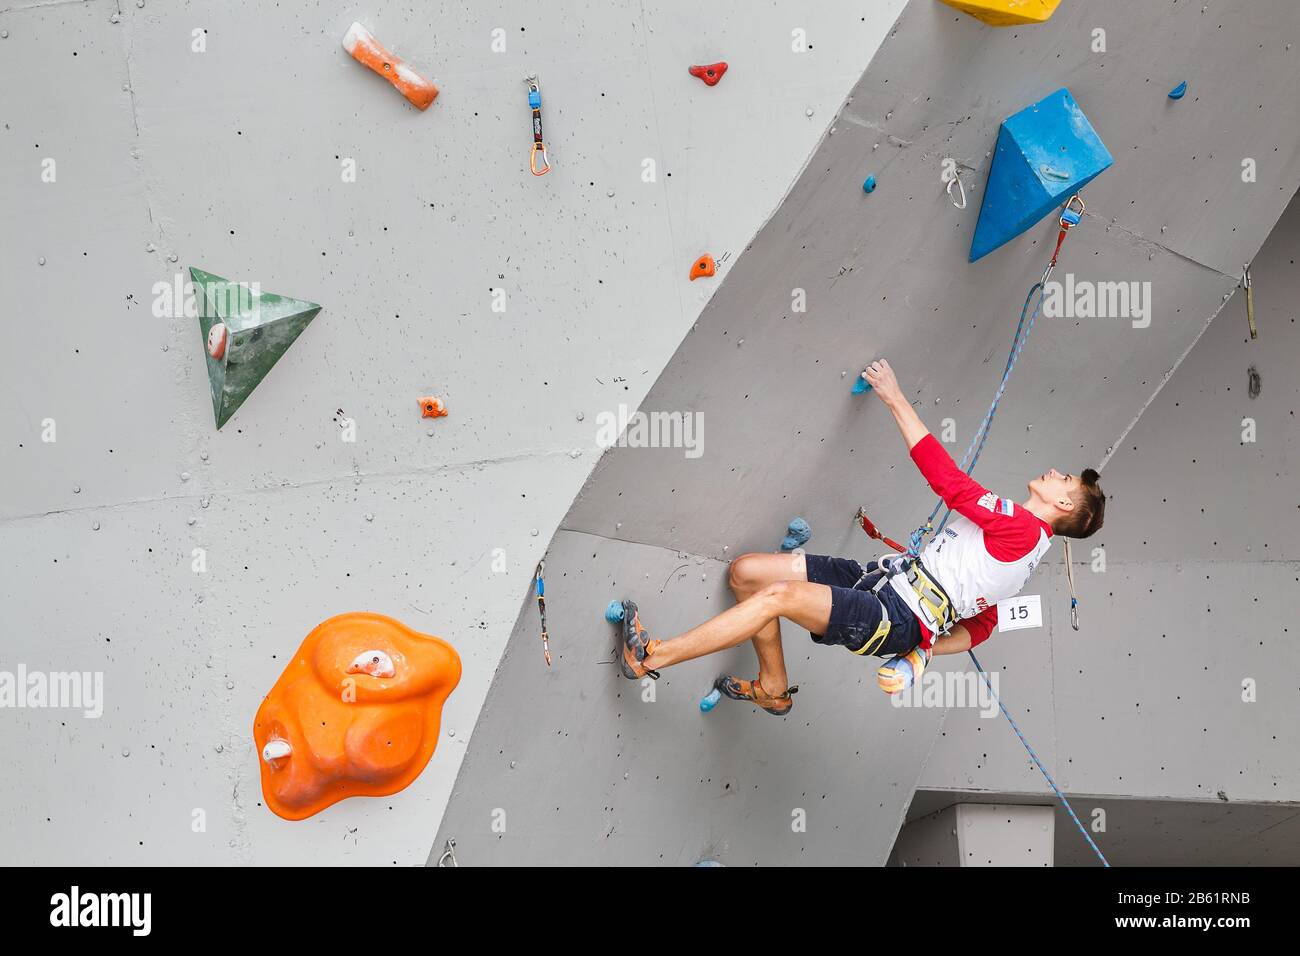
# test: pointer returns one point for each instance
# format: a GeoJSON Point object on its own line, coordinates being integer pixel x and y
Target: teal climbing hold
{"type": "Point", "coordinates": [1045, 154]}
{"type": "Point", "coordinates": [797, 535]}
{"type": "Point", "coordinates": [869, 185]}
{"type": "Point", "coordinates": [861, 386]}
{"type": "Point", "coordinates": [710, 700]}
{"type": "Point", "coordinates": [1179, 91]}
{"type": "Point", "coordinates": [614, 612]}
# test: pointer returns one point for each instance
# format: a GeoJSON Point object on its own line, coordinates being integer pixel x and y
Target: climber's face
{"type": "Point", "coordinates": [1056, 488]}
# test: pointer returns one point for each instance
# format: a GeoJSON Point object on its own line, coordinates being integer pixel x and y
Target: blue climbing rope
{"type": "Point", "coordinates": [1038, 763]}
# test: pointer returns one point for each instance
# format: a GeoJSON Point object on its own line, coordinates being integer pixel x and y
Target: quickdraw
{"type": "Point", "coordinates": [539, 146]}
{"type": "Point", "coordinates": [1069, 576]}
{"type": "Point", "coordinates": [540, 586]}
{"type": "Point", "coordinates": [1249, 288]}
{"type": "Point", "coordinates": [873, 532]}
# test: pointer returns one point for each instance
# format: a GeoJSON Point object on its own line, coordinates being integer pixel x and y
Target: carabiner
{"type": "Point", "coordinates": [449, 853]}
{"type": "Point", "coordinates": [957, 179]}
{"type": "Point", "coordinates": [1069, 216]}
{"type": "Point", "coordinates": [538, 148]}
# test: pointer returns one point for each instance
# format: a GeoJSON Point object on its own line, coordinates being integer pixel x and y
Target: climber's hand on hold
{"type": "Point", "coordinates": [881, 378]}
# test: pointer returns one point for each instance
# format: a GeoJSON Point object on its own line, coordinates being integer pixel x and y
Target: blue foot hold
{"type": "Point", "coordinates": [869, 186]}
{"type": "Point", "coordinates": [861, 386]}
{"type": "Point", "coordinates": [614, 612]}
{"type": "Point", "coordinates": [710, 700]}
{"type": "Point", "coordinates": [798, 534]}
{"type": "Point", "coordinates": [1179, 91]}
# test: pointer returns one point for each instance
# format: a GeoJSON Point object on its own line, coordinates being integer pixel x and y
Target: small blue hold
{"type": "Point", "coordinates": [614, 612]}
{"type": "Point", "coordinates": [710, 700]}
{"type": "Point", "coordinates": [861, 386]}
{"type": "Point", "coordinates": [1178, 91]}
{"type": "Point", "coordinates": [708, 863]}
{"type": "Point", "coordinates": [869, 186]}
{"type": "Point", "coordinates": [799, 533]}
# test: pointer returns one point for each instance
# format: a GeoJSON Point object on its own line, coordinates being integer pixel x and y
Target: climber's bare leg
{"type": "Point", "coordinates": [748, 575]}
{"type": "Point", "coordinates": [756, 617]}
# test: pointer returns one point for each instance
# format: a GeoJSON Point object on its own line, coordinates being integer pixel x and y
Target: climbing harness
{"type": "Point", "coordinates": [1249, 287]}
{"type": "Point", "coordinates": [540, 585]}
{"type": "Point", "coordinates": [1038, 763]}
{"type": "Point", "coordinates": [539, 147]}
{"type": "Point", "coordinates": [874, 642]}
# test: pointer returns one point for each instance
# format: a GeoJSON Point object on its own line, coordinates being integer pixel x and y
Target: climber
{"type": "Point", "coordinates": [943, 603]}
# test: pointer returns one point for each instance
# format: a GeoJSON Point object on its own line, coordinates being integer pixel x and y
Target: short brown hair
{"type": "Point", "coordinates": [1089, 508]}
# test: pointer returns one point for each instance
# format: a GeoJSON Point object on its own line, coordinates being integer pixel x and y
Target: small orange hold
{"type": "Point", "coordinates": [356, 713]}
{"type": "Point", "coordinates": [710, 73]}
{"type": "Point", "coordinates": [432, 407]}
{"type": "Point", "coordinates": [703, 266]}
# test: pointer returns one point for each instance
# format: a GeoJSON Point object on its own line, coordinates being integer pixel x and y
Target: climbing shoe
{"type": "Point", "coordinates": [636, 645]}
{"type": "Point", "coordinates": [903, 671]}
{"type": "Point", "coordinates": [752, 691]}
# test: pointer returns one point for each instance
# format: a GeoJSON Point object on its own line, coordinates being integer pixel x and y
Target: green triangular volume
{"type": "Point", "coordinates": [260, 328]}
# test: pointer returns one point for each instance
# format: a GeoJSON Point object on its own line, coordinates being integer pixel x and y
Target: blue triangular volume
{"type": "Point", "coordinates": [1045, 154]}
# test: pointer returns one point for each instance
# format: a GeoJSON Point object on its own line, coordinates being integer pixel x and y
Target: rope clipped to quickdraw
{"type": "Point", "coordinates": [539, 146]}
{"type": "Point", "coordinates": [540, 586]}
{"type": "Point", "coordinates": [1038, 763]}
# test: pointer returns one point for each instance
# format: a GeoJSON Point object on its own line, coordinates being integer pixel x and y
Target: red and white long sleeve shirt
{"type": "Point", "coordinates": [980, 558]}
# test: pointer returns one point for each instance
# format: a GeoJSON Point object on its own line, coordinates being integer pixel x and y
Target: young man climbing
{"type": "Point", "coordinates": [943, 603]}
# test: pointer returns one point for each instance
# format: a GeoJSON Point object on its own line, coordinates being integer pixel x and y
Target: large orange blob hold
{"type": "Point", "coordinates": [355, 714]}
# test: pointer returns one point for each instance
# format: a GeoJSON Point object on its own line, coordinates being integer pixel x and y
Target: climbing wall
{"type": "Point", "coordinates": [222, 134]}
{"type": "Point", "coordinates": [573, 764]}
{"type": "Point", "coordinates": [1181, 682]}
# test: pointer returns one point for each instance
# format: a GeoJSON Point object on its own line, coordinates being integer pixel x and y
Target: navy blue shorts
{"type": "Point", "coordinates": [855, 612]}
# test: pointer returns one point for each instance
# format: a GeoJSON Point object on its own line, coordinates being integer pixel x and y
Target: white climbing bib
{"type": "Point", "coordinates": [1019, 612]}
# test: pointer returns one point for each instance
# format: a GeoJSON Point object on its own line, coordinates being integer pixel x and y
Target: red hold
{"type": "Point", "coordinates": [710, 73]}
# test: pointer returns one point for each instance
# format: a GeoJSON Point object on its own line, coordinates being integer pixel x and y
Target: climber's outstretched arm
{"type": "Point", "coordinates": [881, 378]}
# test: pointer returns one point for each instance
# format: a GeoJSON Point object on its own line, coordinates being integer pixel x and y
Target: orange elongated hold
{"type": "Point", "coordinates": [364, 48]}
{"type": "Point", "coordinates": [432, 407]}
{"type": "Point", "coordinates": [355, 713]}
{"type": "Point", "coordinates": [703, 266]}
{"type": "Point", "coordinates": [710, 73]}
